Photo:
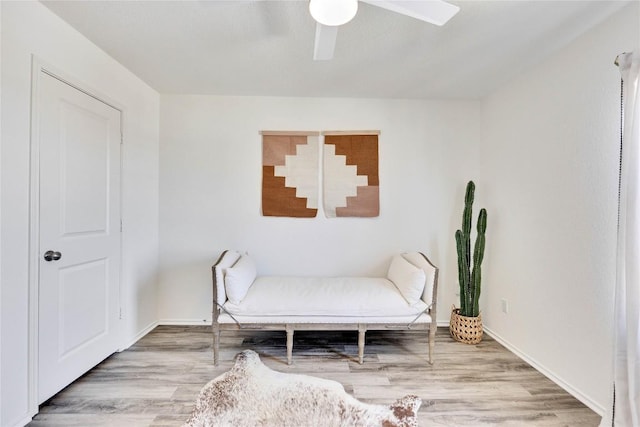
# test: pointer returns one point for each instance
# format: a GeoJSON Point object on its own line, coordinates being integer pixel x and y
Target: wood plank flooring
{"type": "Point", "coordinates": [156, 381]}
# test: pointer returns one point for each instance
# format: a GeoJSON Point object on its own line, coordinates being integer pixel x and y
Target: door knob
{"type": "Point", "coordinates": [52, 256]}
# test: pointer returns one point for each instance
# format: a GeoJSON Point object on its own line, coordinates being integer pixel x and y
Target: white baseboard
{"type": "Point", "coordinates": [547, 373]}
{"type": "Point", "coordinates": [139, 335]}
{"type": "Point", "coordinates": [184, 322]}
{"type": "Point", "coordinates": [24, 421]}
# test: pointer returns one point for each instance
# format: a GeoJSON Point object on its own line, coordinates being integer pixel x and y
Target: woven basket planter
{"type": "Point", "coordinates": [465, 329]}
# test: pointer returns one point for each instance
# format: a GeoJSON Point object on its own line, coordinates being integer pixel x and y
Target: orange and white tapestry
{"type": "Point", "coordinates": [351, 183]}
{"type": "Point", "coordinates": [290, 174]}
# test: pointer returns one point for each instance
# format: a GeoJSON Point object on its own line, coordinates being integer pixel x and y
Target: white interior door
{"type": "Point", "coordinates": [79, 233]}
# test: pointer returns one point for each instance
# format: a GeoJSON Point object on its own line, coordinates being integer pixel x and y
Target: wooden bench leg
{"type": "Point", "coordinates": [361, 331]}
{"type": "Point", "coordinates": [289, 345]}
{"type": "Point", "coordinates": [432, 339]}
{"type": "Point", "coordinates": [216, 344]}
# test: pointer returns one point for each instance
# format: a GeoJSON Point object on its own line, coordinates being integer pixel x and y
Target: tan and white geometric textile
{"type": "Point", "coordinates": [351, 182]}
{"type": "Point", "coordinates": [290, 174]}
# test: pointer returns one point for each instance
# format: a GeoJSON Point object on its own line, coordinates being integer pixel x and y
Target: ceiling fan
{"type": "Point", "coordinates": [330, 14]}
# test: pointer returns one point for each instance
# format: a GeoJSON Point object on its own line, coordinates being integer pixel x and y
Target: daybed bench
{"type": "Point", "coordinates": [405, 299]}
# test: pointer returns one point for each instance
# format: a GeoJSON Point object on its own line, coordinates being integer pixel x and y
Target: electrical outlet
{"type": "Point", "coordinates": [505, 305]}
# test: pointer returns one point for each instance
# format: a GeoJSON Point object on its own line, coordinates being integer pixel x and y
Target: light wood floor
{"type": "Point", "coordinates": [156, 381]}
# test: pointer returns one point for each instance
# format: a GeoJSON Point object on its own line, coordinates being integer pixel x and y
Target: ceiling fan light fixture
{"type": "Point", "coordinates": [333, 12]}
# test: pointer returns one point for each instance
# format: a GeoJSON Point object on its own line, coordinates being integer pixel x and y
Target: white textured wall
{"type": "Point", "coordinates": [30, 28]}
{"type": "Point", "coordinates": [547, 145]}
{"type": "Point", "coordinates": [1, 391]}
{"type": "Point", "coordinates": [210, 177]}
{"type": "Point", "coordinates": [549, 176]}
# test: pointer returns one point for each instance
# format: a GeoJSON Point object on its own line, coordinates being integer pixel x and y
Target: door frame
{"type": "Point", "coordinates": [39, 66]}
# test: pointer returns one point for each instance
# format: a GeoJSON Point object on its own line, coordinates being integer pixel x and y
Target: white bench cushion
{"type": "Point", "coordinates": [324, 296]}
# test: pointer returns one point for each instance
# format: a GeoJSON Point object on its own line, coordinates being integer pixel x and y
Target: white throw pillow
{"type": "Point", "coordinates": [227, 259]}
{"type": "Point", "coordinates": [419, 260]}
{"type": "Point", "coordinates": [239, 278]}
{"type": "Point", "coordinates": [408, 278]}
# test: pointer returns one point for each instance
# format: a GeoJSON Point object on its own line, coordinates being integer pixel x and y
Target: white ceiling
{"type": "Point", "coordinates": [266, 47]}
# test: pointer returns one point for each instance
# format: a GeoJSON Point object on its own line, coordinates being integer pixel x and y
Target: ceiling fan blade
{"type": "Point", "coordinates": [325, 42]}
{"type": "Point", "coordinates": [436, 12]}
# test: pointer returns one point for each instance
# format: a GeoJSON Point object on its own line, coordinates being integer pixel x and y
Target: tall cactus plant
{"type": "Point", "coordinates": [470, 275]}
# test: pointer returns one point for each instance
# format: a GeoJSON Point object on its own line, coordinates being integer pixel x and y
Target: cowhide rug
{"type": "Point", "coordinates": [250, 394]}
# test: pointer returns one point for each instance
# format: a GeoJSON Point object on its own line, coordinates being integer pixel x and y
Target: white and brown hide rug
{"type": "Point", "coordinates": [251, 394]}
